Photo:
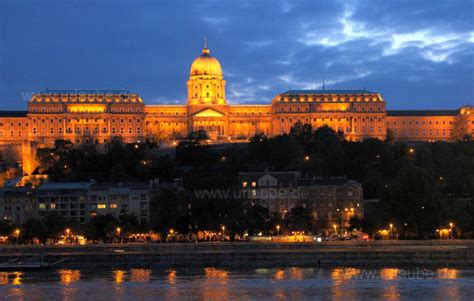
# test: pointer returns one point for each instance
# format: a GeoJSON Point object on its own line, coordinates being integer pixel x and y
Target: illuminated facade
{"type": "Point", "coordinates": [95, 116]}
{"type": "Point", "coordinates": [334, 200]}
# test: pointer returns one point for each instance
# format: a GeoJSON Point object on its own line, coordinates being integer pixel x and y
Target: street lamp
{"type": "Point", "coordinates": [335, 228]}
{"type": "Point", "coordinates": [68, 231]}
{"type": "Point", "coordinates": [118, 230]}
{"type": "Point", "coordinates": [17, 234]}
{"type": "Point", "coordinates": [391, 230]}
{"type": "Point", "coordinates": [306, 158]}
{"type": "Point", "coordinates": [278, 230]}
{"type": "Point", "coordinates": [223, 232]}
{"type": "Point", "coordinates": [451, 229]}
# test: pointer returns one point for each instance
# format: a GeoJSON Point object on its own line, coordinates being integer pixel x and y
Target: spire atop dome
{"type": "Point", "coordinates": [205, 50]}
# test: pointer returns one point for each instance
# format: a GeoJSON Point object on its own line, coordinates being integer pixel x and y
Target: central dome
{"type": "Point", "coordinates": [206, 65]}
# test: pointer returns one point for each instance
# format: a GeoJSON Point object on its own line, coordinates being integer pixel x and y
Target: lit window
{"type": "Point", "coordinates": [101, 206]}
{"type": "Point", "coordinates": [113, 206]}
{"type": "Point", "coordinates": [42, 206]}
{"type": "Point", "coordinates": [254, 184]}
{"type": "Point", "coordinates": [52, 206]}
{"type": "Point", "coordinates": [244, 184]}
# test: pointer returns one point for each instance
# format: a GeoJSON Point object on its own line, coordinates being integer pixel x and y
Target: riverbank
{"type": "Point", "coordinates": [456, 253]}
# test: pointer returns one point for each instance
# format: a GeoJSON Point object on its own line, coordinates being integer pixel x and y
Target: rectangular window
{"type": "Point", "coordinates": [101, 206]}
{"type": "Point", "coordinates": [113, 206]}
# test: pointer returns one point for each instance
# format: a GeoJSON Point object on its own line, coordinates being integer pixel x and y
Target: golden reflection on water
{"type": "Point", "coordinates": [173, 292]}
{"type": "Point", "coordinates": [391, 293]}
{"type": "Point", "coordinates": [4, 277]}
{"type": "Point", "coordinates": [119, 276]}
{"type": "Point", "coordinates": [16, 277]}
{"type": "Point", "coordinates": [341, 274]}
{"type": "Point", "coordinates": [446, 273]}
{"type": "Point", "coordinates": [279, 274]}
{"type": "Point", "coordinates": [215, 284]}
{"type": "Point", "coordinates": [69, 276]}
{"type": "Point", "coordinates": [389, 273]}
{"type": "Point", "coordinates": [451, 291]}
{"type": "Point", "coordinates": [171, 276]}
{"type": "Point", "coordinates": [140, 275]}
{"type": "Point", "coordinates": [296, 273]}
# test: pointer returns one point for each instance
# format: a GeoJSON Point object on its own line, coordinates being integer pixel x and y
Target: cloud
{"type": "Point", "coordinates": [417, 54]}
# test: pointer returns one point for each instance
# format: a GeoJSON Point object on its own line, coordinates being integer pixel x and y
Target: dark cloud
{"type": "Point", "coordinates": [418, 54]}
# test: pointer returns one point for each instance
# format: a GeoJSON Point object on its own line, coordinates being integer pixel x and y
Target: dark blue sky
{"type": "Point", "coordinates": [418, 54]}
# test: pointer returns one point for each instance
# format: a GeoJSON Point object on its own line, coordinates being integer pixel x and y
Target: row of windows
{"type": "Point", "coordinates": [12, 124]}
{"type": "Point", "coordinates": [12, 134]}
{"type": "Point", "coordinates": [207, 95]}
{"type": "Point", "coordinates": [348, 130]}
{"type": "Point", "coordinates": [371, 119]}
{"type": "Point", "coordinates": [327, 99]}
{"type": "Point", "coordinates": [423, 122]}
{"type": "Point", "coordinates": [306, 109]}
{"type": "Point", "coordinates": [130, 120]}
{"type": "Point", "coordinates": [60, 110]}
{"type": "Point", "coordinates": [86, 130]}
{"type": "Point", "coordinates": [423, 132]}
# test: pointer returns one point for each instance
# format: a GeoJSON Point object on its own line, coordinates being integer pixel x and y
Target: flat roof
{"type": "Point", "coordinates": [298, 92]}
{"type": "Point", "coordinates": [80, 91]}
{"type": "Point", "coordinates": [14, 114]}
{"type": "Point", "coordinates": [66, 186]}
{"type": "Point", "coordinates": [422, 112]}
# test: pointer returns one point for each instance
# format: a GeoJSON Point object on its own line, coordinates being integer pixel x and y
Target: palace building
{"type": "Point", "coordinates": [94, 116]}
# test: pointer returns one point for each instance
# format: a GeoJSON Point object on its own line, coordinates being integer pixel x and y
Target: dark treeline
{"type": "Point", "coordinates": [422, 185]}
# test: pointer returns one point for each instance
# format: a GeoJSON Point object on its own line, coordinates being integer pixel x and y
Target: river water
{"type": "Point", "coordinates": [240, 284]}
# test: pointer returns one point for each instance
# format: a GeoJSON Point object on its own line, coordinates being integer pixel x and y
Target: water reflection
{"type": "Point", "coordinates": [16, 277]}
{"type": "Point", "coordinates": [389, 273]}
{"type": "Point", "coordinates": [69, 276]}
{"type": "Point", "coordinates": [340, 277]}
{"type": "Point", "coordinates": [446, 273]}
{"type": "Point", "coordinates": [342, 274]}
{"type": "Point", "coordinates": [119, 276]}
{"type": "Point", "coordinates": [4, 278]}
{"type": "Point", "coordinates": [452, 290]}
{"type": "Point", "coordinates": [140, 275]}
{"type": "Point", "coordinates": [215, 286]}
{"type": "Point", "coordinates": [224, 284]}
{"type": "Point", "coordinates": [171, 276]}
{"type": "Point", "coordinates": [391, 293]}
{"type": "Point", "coordinates": [296, 273]}
{"type": "Point", "coordinates": [279, 274]}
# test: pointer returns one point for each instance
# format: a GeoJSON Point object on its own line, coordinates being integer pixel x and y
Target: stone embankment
{"type": "Point", "coordinates": [459, 253]}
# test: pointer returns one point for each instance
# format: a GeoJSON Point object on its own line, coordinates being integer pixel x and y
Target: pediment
{"type": "Point", "coordinates": [209, 113]}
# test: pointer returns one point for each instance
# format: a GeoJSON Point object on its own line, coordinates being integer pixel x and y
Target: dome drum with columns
{"type": "Point", "coordinates": [206, 85]}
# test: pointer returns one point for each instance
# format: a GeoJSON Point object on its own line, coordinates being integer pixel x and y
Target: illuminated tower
{"type": "Point", "coordinates": [206, 85]}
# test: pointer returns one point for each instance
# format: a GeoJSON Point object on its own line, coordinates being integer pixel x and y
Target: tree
{"type": "Point", "coordinates": [300, 219]}
{"type": "Point", "coordinates": [355, 222]}
{"type": "Point", "coordinates": [101, 227]}
{"type": "Point", "coordinates": [198, 137]}
{"type": "Point", "coordinates": [460, 128]}
{"type": "Point", "coordinates": [414, 199]}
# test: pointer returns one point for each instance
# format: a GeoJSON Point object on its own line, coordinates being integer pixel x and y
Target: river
{"type": "Point", "coordinates": [240, 284]}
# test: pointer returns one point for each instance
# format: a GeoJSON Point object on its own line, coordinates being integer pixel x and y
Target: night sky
{"type": "Point", "coordinates": [417, 54]}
